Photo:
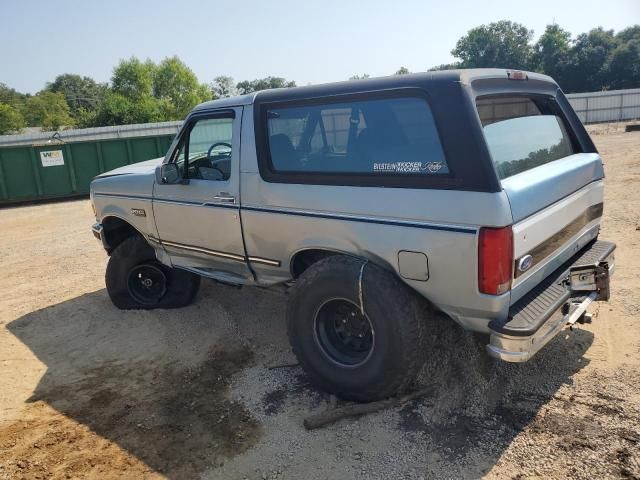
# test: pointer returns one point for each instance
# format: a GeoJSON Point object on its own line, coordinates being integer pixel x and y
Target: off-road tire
{"type": "Point", "coordinates": [396, 313]}
{"type": "Point", "coordinates": [181, 286]}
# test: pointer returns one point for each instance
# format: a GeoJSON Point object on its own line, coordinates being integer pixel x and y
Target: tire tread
{"type": "Point", "coordinates": [411, 312]}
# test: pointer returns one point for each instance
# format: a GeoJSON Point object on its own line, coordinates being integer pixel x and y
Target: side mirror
{"type": "Point", "coordinates": [168, 174]}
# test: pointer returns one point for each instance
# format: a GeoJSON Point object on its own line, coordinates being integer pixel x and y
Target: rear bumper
{"type": "Point", "coordinates": [539, 316]}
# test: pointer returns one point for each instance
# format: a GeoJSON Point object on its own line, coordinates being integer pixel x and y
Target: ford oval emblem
{"type": "Point", "coordinates": [525, 263]}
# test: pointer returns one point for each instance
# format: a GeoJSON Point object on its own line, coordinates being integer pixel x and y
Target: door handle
{"type": "Point", "coordinates": [225, 198]}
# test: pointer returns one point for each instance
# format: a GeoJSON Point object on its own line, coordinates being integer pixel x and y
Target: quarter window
{"type": "Point", "coordinates": [392, 136]}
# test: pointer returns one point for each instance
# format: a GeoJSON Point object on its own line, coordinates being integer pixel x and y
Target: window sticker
{"type": "Point", "coordinates": [409, 167]}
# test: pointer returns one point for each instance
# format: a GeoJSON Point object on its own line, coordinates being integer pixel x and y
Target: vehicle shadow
{"type": "Point", "coordinates": [156, 384]}
{"type": "Point", "coordinates": [479, 404]}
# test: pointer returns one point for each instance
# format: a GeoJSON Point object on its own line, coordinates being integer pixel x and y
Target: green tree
{"type": "Point", "coordinates": [502, 44]}
{"type": "Point", "coordinates": [359, 77]}
{"type": "Point", "coordinates": [11, 120]}
{"type": "Point", "coordinates": [87, 118]}
{"type": "Point", "coordinates": [178, 85]}
{"type": "Point", "coordinates": [250, 86]}
{"type": "Point", "coordinates": [48, 110]}
{"type": "Point", "coordinates": [133, 78]}
{"type": "Point", "coordinates": [445, 66]}
{"type": "Point", "coordinates": [587, 64]}
{"type": "Point", "coordinates": [624, 65]}
{"type": "Point", "coordinates": [402, 71]}
{"type": "Point", "coordinates": [144, 92]}
{"type": "Point", "coordinates": [83, 94]}
{"type": "Point", "coordinates": [628, 34]}
{"type": "Point", "coordinates": [116, 109]}
{"type": "Point", "coordinates": [223, 86]}
{"type": "Point", "coordinates": [130, 98]}
{"type": "Point", "coordinates": [10, 96]}
{"type": "Point", "coordinates": [624, 62]}
{"type": "Point", "coordinates": [551, 52]}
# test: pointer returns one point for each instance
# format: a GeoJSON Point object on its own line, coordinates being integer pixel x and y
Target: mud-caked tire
{"type": "Point", "coordinates": [137, 281]}
{"type": "Point", "coordinates": [356, 329]}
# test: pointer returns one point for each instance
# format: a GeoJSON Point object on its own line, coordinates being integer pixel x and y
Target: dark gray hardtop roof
{"type": "Point", "coordinates": [425, 80]}
{"type": "Point", "coordinates": [450, 95]}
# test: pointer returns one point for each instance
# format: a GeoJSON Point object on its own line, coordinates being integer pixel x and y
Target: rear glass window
{"type": "Point", "coordinates": [389, 136]}
{"type": "Point", "coordinates": [523, 133]}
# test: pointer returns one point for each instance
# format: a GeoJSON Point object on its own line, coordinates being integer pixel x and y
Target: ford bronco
{"type": "Point", "coordinates": [378, 203]}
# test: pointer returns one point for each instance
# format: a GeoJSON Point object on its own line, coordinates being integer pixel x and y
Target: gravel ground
{"type": "Point", "coordinates": [88, 391]}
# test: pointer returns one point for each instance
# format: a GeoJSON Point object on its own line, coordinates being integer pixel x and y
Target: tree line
{"type": "Point", "coordinates": [144, 91]}
{"type": "Point", "coordinates": [596, 60]}
{"type": "Point", "coordinates": [139, 92]}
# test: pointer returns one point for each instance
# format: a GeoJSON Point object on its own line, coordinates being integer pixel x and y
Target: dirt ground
{"type": "Point", "coordinates": [88, 391]}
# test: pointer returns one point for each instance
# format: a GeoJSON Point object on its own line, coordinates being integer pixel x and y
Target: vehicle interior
{"type": "Point", "coordinates": [213, 164]}
{"type": "Point", "coordinates": [346, 137]}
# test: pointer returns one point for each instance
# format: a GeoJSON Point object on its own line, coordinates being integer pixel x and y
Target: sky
{"type": "Point", "coordinates": [306, 41]}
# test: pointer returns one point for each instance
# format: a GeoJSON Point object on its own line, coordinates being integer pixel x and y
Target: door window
{"type": "Point", "coordinates": [207, 147]}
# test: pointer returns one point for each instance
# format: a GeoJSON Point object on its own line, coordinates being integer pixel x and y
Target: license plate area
{"type": "Point", "coordinates": [591, 278]}
{"type": "Point", "coordinates": [582, 278]}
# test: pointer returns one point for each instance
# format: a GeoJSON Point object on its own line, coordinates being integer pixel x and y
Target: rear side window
{"type": "Point", "coordinates": [390, 136]}
{"type": "Point", "coordinates": [523, 132]}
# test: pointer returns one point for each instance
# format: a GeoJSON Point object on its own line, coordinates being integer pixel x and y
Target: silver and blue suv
{"type": "Point", "coordinates": [477, 193]}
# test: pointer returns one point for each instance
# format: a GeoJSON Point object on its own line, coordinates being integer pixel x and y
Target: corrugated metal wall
{"type": "Point", "coordinates": [608, 106]}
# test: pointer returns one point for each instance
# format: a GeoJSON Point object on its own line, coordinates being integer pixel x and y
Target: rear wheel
{"type": "Point", "coordinates": [343, 332]}
{"type": "Point", "coordinates": [356, 329]}
{"type": "Point", "coordinates": [136, 280]}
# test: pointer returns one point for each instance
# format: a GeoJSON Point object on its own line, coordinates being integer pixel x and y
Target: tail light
{"type": "Point", "coordinates": [495, 260]}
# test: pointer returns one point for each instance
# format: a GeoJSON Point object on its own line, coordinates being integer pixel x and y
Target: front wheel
{"type": "Point", "coordinates": [136, 280]}
{"type": "Point", "coordinates": [356, 329]}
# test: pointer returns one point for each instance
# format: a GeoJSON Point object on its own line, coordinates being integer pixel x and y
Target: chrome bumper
{"type": "Point", "coordinates": [96, 229]}
{"type": "Point", "coordinates": [521, 349]}
{"type": "Point", "coordinates": [98, 232]}
{"type": "Point", "coordinates": [512, 348]}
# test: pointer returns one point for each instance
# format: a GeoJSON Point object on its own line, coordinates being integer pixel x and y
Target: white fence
{"type": "Point", "coordinates": [608, 106]}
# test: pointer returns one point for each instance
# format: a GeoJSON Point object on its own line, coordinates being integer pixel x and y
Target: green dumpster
{"type": "Point", "coordinates": [42, 166]}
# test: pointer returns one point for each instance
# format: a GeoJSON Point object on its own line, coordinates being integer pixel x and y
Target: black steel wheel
{"type": "Point", "coordinates": [147, 283]}
{"type": "Point", "coordinates": [136, 280]}
{"type": "Point", "coordinates": [356, 328]}
{"type": "Point", "coordinates": [343, 333]}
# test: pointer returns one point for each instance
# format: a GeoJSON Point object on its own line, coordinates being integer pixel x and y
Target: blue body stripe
{"type": "Point", "coordinates": [199, 204]}
{"type": "Point", "coordinates": [394, 223]}
{"type": "Point", "coordinates": [445, 228]}
{"type": "Point", "coordinates": [167, 200]}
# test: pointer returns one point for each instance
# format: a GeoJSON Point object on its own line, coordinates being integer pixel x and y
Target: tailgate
{"type": "Point", "coordinates": [554, 181]}
{"type": "Point", "coordinates": [546, 236]}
